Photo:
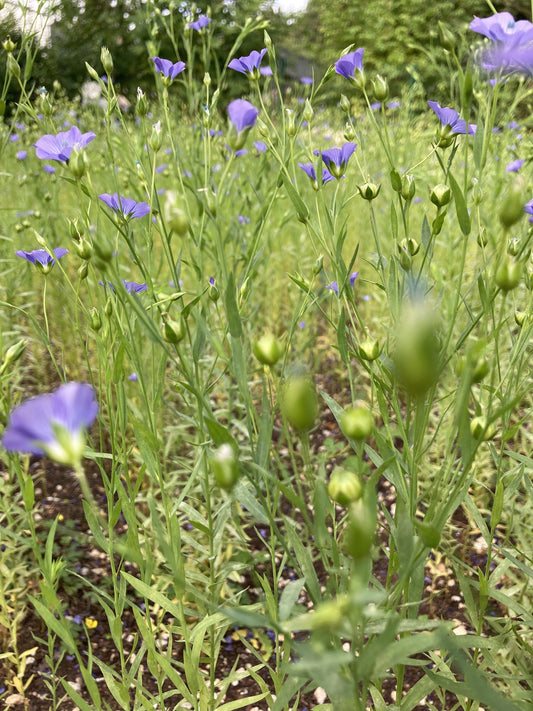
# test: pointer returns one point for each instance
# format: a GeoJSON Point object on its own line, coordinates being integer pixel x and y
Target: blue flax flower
{"type": "Point", "coordinates": [336, 159]}
{"type": "Point", "coordinates": [242, 114]}
{"type": "Point", "coordinates": [126, 207]}
{"type": "Point", "coordinates": [167, 69]}
{"type": "Point", "coordinates": [334, 287]}
{"type": "Point", "coordinates": [310, 171]}
{"type": "Point", "coordinates": [349, 64]}
{"type": "Point", "coordinates": [60, 147]}
{"type": "Point", "coordinates": [41, 258]}
{"type": "Point", "coordinates": [502, 27]}
{"type": "Point", "coordinates": [450, 121]}
{"type": "Point", "coordinates": [200, 23]}
{"type": "Point", "coordinates": [53, 424]}
{"type": "Point", "coordinates": [528, 207]}
{"type": "Point", "coordinates": [132, 287]}
{"type": "Point", "coordinates": [515, 165]}
{"type": "Point", "coordinates": [249, 65]}
{"type": "Point", "coordinates": [511, 49]}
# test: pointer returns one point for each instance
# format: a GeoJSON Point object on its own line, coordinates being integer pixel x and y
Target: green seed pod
{"type": "Point", "coordinates": [512, 208]}
{"type": "Point", "coordinates": [520, 318]}
{"type": "Point", "coordinates": [156, 138]}
{"type": "Point", "coordinates": [349, 132]}
{"type": "Point", "coordinates": [141, 107]}
{"type": "Point", "coordinates": [417, 351]}
{"type": "Point", "coordinates": [108, 308]}
{"type": "Point", "coordinates": [290, 123]}
{"type": "Point", "coordinates": [344, 486]}
{"type": "Point", "coordinates": [75, 229]}
{"type": "Point", "coordinates": [225, 466]}
{"type": "Point", "coordinates": [173, 331]}
{"type": "Point", "coordinates": [84, 249]}
{"type": "Point", "coordinates": [308, 112]}
{"type": "Point", "coordinates": [8, 45]}
{"type": "Point", "coordinates": [405, 258]}
{"type": "Point", "coordinates": [508, 274]}
{"type": "Point", "coordinates": [408, 187]}
{"type": "Point", "coordinates": [83, 270]}
{"type": "Point", "coordinates": [440, 195]}
{"type": "Point", "coordinates": [78, 163]}
{"type": "Point", "coordinates": [361, 529]}
{"type": "Point", "coordinates": [300, 404]}
{"type": "Point", "coordinates": [346, 105]}
{"type": "Point", "coordinates": [357, 423]}
{"type": "Point", "coordinates": [318, 265]}
{"type": "Point", "coordinates": [513, 246]}
{"type": "Point", "coordinates": [267, 350]}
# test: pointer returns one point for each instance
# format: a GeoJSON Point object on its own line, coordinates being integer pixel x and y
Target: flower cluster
{"type": "Point", "coordinates": [511, 46]}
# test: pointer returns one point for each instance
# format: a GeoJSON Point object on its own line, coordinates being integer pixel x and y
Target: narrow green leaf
{"type": "Point", "coordinates": [460, 206]}
{"type": "Point", "coordinates": [289, 597]}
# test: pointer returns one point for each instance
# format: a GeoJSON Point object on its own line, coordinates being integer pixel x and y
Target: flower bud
{"type": "Point", "coordinates": [13, 354]}
{"type": "Point", "coordinates": [96, 321]}
{"type": "Point", "coordinates": [513, 246]}
{"type": "Point", "coordinates": [225, 466]}
{"type": "Point", "coordinates": [345, 104]}
{"type": "Point", "coordinates": [268, 350]}
{"type": "Point", "coordinates": [357, 423]}
{"type": "Point", "coordinates": [156, 138]}
{"type": "Point", "coordinates": [262, 128]}
{"type": "Point", "coordinates": [93, 73]}
{"type": "Point", "coordinates": [369, 349]}
{"type": "Point", "coordinates": [84, 249]}
{"type": "Point", "coordinates": [142, 104]}
{"type": "Point", "coordinates": [480, 429]}
{"type": "Point", "coordinates": [308, 112]}
{"type": "Point", "coordinates": [207, 79]}
{"type": "Point", "coordinates": [78, 163]}
{"type": "Point", "coordinates": [173, 331]}
{"type": "Point", "coordinates": [108, 308]}
{"type": "Point", "coordinates": [107, 60]}
{"type": "Point", "coordinates": [75, 229]}
{"type": "Point", "coordinates": [349, 132]}
{"type": "Point", "coordinates": [410, 246]}
{"type": "Point", "coordinates": [318, 265]}
{"type": "Point", "coordinates": [417, 350]}
{"type": "Point", "coordinates": [440, 195]}
{"type": "Point", "coordinates": [408, 187]}
{"type": "Point", "coordinates": [446, 37]}
{"type": "Point", "coordinates": [13, 66]}
{"type": "Point", "coordinates": [8, 45]}
{"type": "Point", "coordinates": [512, 208]}
{"type": "Point", "coordinates": [482, 238]}
{"type": "Point", "coordinates": [380, 88]}
{"type": "Point", "coordinates": [520, 318]}
{"type": "Point", "coordinates": [369, 191]}
{"type": "Point", "coordinates": [508, 274]}
{"type": "Point", "coordinates": [405, 258]}
{"type": "Point", "coordinates": [344, 486]}
{"type": "Point", "coordinates": [300, 404]}
{"type": "Point", "coordinates": [83, 270]}
{"type": "Point", "coordinates": [213, 291]}
{"type": "Point", "coordinates": [290, 124]}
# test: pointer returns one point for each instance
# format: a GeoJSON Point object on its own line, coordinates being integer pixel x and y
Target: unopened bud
{"type": "Point", "coordinates": [13, 354]}
{"type": "Point", "coordinates": [77, 163]}
{"type": "Point", "coordinates": [520, 318]}
{"type": "Point", "coordinates": [446, 37]}
{"type": "Point", "coordinates": [213, 292]}
{"type": "Point", "coordinates": [96, 321]}
{"type": "Point", "coordinates": [318, 265]}
{"type": "Point", "coordinates": [308, 112]}
{"type": "Point", "coordinates": [349, 132]}
{"type": "Point", "coordinates": [404, 258]}
{"type": "Point", "coordinates": [300, 404]}
{"type": "Point", "coordinates": [408, 187]}
{"type": "Point", "coordinates": [156, 139]}
{"type": "Point", "coordinates": [290, 123]}
{"type": "Point", "coordinates": [410, 245]}
{"type": "Point", "coordinates": [8, 45]}
{"type": "Point", "coordinates": [369, 191]}
{"type": "Point", "coordinates": [440, 195]}
{"type": "Point", "coordinates": [13, 66]}
{"type": "Point", "coordinates": [142, 104]}
{"type": "Point", "coordinates": [83, 271]}
{"type": "Point", "coordinates": [346, 105]}
{"type": "Point", "coordinates": [107, 60]}
{"type": "Point", "coordinates": [380, 88]}
{"type": "Point", "coordinates": [173, 331]}
{"type": "Point", "coordinates": [75, 229]}
{"type": "Point", "coordinates": [481, 429]}
{"type": "Point", "coordinates": [513, 246]}
{"type": "Point", "coordinates": [512, 208]}
{"type": "Point", "coordinates": [93, 73]}
{"type": "Point", "coordinates": [84, 249]}
{"type": "Point", "coordinates": [369, 349]}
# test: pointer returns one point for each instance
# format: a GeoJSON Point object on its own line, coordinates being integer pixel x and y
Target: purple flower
{"type": "Point", "coordinates": [41, 258]}
{"type": "Point", "coordinates": [528, 207]}
{"type": "Point", "coordinates": [336, 159]}
{"type": "Point", "coordinates": [266, 71]}
{"type": "Point", "coordinates": [53, 424]}
{"type": "Point", "coordinates": [14, 137]}
{"type": "Point", "coordinates": [259, 146]}
{"type": "Point", "coordinates": [22, 155]}
{"type": "Point", "coordinates": [333, 286]}
{"type": "Point", "coordinates": [244, 220]}
{"type": "Point", "coordinates": [200, 23]}
{"type": "Point", "coordinates": [49, 169]}
{"type": "Point", "coordinates": [307, 80]}
{"type": "Point", "coordinates": [515, 165]}
{"type": "Point", "coordinates": [394, 104]}
{"type": "Point", "coordinates": [133, 377]}
{"type": "Point", "coordinates": [375, 105]}
{"type": "Point", "coordinates": [168, 70]}
{"type": "Point", "coordinates": [450, 117]}
{"type": "Point", "coordinates": [249, 65]}
{"type": "Point", "coordinates": [502, 27]}
{"type": "Point", "coordinates": [242, 114]}
{"type": "Point", "coordinates": [309, 169]}
{"type": "Point", "coordinates": [60, 147]}
{"type": "Point", "coordinates": [347, 65]}
{"type": "Point", "coordinates": [509, 59]}
{"type": "Point", "coordinates": [132, 287]}
{"type": "Point", "coordinates": [126, 207]}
